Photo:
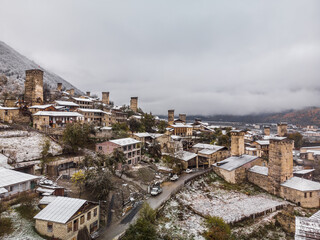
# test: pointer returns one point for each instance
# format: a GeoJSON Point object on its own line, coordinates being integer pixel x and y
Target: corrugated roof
{"type": "Point", "coordinates": [307, 228]}
{"type": "Point", "coordinates": [125, 141]}
{"type": "Point", "coordinates": [10, 177]}
{"type": "Point", "coordinates": [260, 170]}
{"type": "Point", "coordinates": [60, 210]}
{"type": "Point", "coordinates": [235, 162]}
{"type": "Point", "coordinates": [301, 184]}
{"type": "Point", "coordinates": [58, 114]}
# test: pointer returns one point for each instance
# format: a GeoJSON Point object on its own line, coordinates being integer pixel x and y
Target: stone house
{"type": "Point", "coordinates": [130, 147]}
{"type": "Point", "coordinates": [262, 147]}
{"type": "Point", "coordinates": [63, 217]}
{"type": "Point", "coordinates": [54, 119]}
{"type": "Point", "coordinates": [209, 154]}
{"type": "Point", "coordinates": [84, 103]}
{"type": "Point", "coordinates": [118, 116]}
{"type": "Point", "coordinates": [9, 114]}
{"type": "Point", "coordinates": [13, 182]}
{"type": "Point", "coordinates": [151, 138]}
{"type": "Point", "coordinates": [187, 159]}
{"type": "Point", "coordinates": [96, 116]}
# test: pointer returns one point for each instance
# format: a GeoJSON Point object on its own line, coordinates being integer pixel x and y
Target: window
{"type": "Point", "coordinates": [49, 227]}
{"type": "Point", "coordinates": [129, 161]}
{"type": "Point", "coordinates": [95, 212]}
{"type": "Point", "coordinates": [100, 147]}
{"type": "Point", "coordinates": [310, 194]}
{"type": "Point", "coordinates": [305, 195]}
{"type": "Point", "coordinates": [75, 225]}
{"type": "Point", "coordinates": [89, 215]}
{"type": "Point", "coordinates": [82, 219]}
{"type": "Point", "coordinates": [69, 226]}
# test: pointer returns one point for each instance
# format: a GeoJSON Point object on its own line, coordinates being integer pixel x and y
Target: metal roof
{"type": "Point", "coordinates": [301, 184]}
{"type": "Point", "coordinates": [208, 146]}
{"type": "Point", "coordinates": [60, 210]}
{"type": "Point", "coordinates": [67, 103]}
{"type": "Point", "coordinates": [235, 162]}
{"type": "Point", "coordinates": [11, 177]}
{"type": "Point", "coordinates": [307, 228]}
{"type": "Point", "coordinates": [58, 114]}
{"type": "Point", "coordinates": [260, 170]}
{"type": "Point", "coordinates": [125, 141]}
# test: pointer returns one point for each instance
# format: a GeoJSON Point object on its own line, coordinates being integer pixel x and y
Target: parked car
{"type": "Point", "coordinates": [175, 177]}
{"type": "Point", "coordinates": [155, 191]}
{"type": "Point", "coordinates": [189, 170]}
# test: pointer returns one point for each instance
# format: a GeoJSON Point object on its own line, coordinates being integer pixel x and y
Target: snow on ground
{"type": "Point", "coordinates": [180, 222]}
{"type": "Point", "coordinates": [25, 146]}
{"type": "Point", "coordinates": [23, 229]}
{"type": "Point", "coordinates": [232, 206]}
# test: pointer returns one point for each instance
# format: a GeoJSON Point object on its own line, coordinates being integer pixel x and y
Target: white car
{"type": "Point", "coordinates": [174, 177]}
{"type": "Point", "coordinates": [155, 191]}
{"type": "Point", "coordinates": [189, 170]}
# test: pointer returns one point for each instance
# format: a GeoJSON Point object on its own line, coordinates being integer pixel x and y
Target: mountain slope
{"type": "Point", "coordinates": [13, 65]}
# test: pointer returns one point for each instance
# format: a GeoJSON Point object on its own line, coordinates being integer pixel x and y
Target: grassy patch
{"type": "Point", "coordinates": [267, 231]}
{"type": "Point", "coordinates": [5, 226]}
{"type": "Point", "coordinates": [27, 211]}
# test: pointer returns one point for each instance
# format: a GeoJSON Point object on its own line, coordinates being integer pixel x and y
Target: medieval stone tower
{"type": "Point", "coordinates": [282, 129]}
{"type": "Point", "coordinates": [171, 116]}
{"type": "Point", "coordinates": [105, 98]}
{"type": "Point", "coordinates": [237, 142]}
{"type": "Point", "coordinates": [88, 93]}
{"type": "Point", "coordinates": [183, 117]}
{"type": "Point", "coordinates": [33, 93]}
{"type": "Point", "coordinates": [280, 162]}
{"type": "Point", "coordinates": [134, 104]}
{"type": "Point", "coordinates": [267, 131]}
{"type": "Point", "coordinates": [59, 87]}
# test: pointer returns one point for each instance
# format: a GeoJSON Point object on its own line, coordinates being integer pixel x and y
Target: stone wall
{"type": "Point", "coordinates": [308, 199]}
{"type": "Point", "coordinates": [260, 180]}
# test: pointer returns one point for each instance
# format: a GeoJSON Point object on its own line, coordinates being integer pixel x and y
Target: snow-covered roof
{"type": "Point", "coordinates": [251, 148]}
{"type": "Point", "coordinates": [235, 162]}
{"type": "Point", "coordinates": [106, 128]}
{"type": "Point", "coordinates": [60, 210]}
{"type": "Point", "coordinates": [47, 199]}
{"type": "Point", "coordinates": [125, 141]}
{"type": "Point", "coordinates": [58, 114]}
{"type": "Point", "coordinates": [316, 215]}
{"type": "Point", "coordinates": [263, 142]}
{"type": "Point", "coordinates": [11, 177]}
{"type": "Point", "coordinates": [260, 170]}
{"type": "Point", "coordinates": [9, 108]}
{"type": "Point", "coordinates": [181, 125]}
{"type": "Point", "coordinates": [303, 171]}
{"type": "Point", "coordinates": [207, 146]}
{"type": "Point", "coordinates": [142, 135]}
{"type": "Point", "coordinates": [40, 106]}
{"type": "Point", "coordinates": [301, 184]}
{"type": "Point", "coordinates": [82, 99]}
{"type": "Point", "coordinates": [185, 156]}
{"type": "Point", "coordinates": [93, 110]}
{"type": "Point", "coordinates": [315, 152]}
{"type": "Point", "coordinates": [3, 190]}
{"type": "Point", "coordinates": [67, 103]}
{"type": "Point", "coordinates": [209, 151]}
{"type": "Point", "coordinates": [307, 228]}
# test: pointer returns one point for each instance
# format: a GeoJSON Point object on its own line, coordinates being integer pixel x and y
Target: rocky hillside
{"type": "Point", "coordinates": [12, 72]}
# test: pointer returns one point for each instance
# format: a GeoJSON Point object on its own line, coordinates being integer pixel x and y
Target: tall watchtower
{"type": "Point", "coordinates": [267, 130]}
{"type": "Point", "coordinates": [280, 162]}
{"type": "Point", "coordinates": [183, 117]}
{"type": "Point", "coordinates": [134, 104]}
{"type": "Point", "coordinates": [170, 116]}
{"type": "Point", "coordinates": [237, 142]}
{"type": "Point", "coordinates": [105, 98]}
{"type": "Point", "coordinates": [33, 93]}
{"type": "Point", "coordinates": [282, 129]}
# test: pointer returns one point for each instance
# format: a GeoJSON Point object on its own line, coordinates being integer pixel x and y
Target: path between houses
{"type": "Point", "coordinates": [169, 189]}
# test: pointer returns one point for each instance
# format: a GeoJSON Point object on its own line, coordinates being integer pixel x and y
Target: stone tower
{"type": "Point", "coordinates": [237, 142]}
{"type": "Point", "coordinates": [267, 131]}
{"type": "Point", "coordinates": [33, 93]}
{"type": "Point", "coordinates": [105, 98]}
{"type": "Point", "coordinates": [59, 87]}
{"type": "Point", "coordinates": [88, 93]}
{"type": "Point", "coordinates": [183, 117]}
{"type": "Point", "coordinates": [282, 129]}
{"type": "Point", "coordinates": [134, 104]}
{"type": "Point", "coordinates": [171, 116]}
{"type": "Point", "coordinates": [280, 162]}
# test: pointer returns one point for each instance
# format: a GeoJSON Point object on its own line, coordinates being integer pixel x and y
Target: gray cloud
{"type": "Point", "coordinates": [198, 57]}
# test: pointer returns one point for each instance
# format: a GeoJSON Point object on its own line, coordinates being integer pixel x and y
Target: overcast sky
{"type": "Point", "coordinates": [197, 57]}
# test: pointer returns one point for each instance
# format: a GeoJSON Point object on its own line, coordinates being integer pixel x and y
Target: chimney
{"type": "Point", "coordinates": [59, 87]}
{"type": "Point", "coordinates": [170, 116]}
{"type": "Point", "coordinates": [105, 98]}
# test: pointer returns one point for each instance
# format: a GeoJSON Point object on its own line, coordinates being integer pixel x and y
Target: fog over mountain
{"type": "Point", "coordinates": [197, 57]}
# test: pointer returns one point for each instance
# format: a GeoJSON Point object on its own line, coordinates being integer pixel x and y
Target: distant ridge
{"type": "Point", "coordinates": [304, 117]}
{"type": "Point", "coordinates": [13, 66]}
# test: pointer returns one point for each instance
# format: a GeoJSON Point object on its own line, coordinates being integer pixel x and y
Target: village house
{"type": "Point", "coordinates": [151, 138]}
{"type": "Point", "coordinates": [83, 102]}
{"type": "Point", "coordinates": [118, 116]}
{"type": "Point", "coordinates": [209, 154]}
{"type": "Point", "coordinates": [130, 147]}
{"type": "Point", "coordinates": [36, 108]}
{"type": "Point", "coordinates": [54, 119]}
{"type": "Point", "coordinates": [234, 169]}
{"type": "Point", "coordinates": [96, 116]}
{"type": "Point", "coordinates": [63, 217]}
{"type": "Point", "coordinates": [182, 130]}
{"type": "Point", "coordinates": [13, 182]}
{"type": "Point", "coordinates": [9, 114]}
{"type": "Point", "coordinates": [66, 106]}
{"type": "Point", "coordinates": [262, 147]}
